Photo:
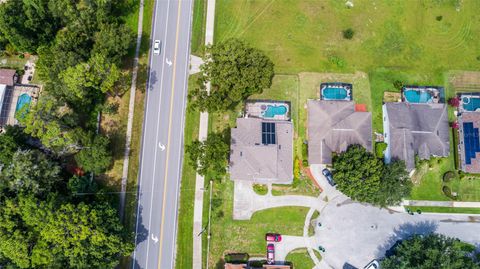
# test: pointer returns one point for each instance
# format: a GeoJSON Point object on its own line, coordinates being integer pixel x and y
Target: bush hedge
{"type": "Point", "coordinates": [260, 189]}
{"type": "Point", "coordinates": [448, 176]}
{"type": "Point", "coordinates": [380, 147]}
{"type": "Point", "coordinates": [448, 192]}
{"type": "Point", "coordinates": [305, 154]}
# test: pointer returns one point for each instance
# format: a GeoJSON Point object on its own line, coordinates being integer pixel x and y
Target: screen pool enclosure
{"type": "Point", "coordinates": [336, 91]}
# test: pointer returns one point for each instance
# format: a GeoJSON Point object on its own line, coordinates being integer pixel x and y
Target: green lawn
{"type": "Point", "coordinates": [402, 35]}
{"type": "Point", "coordinates": [300, 259]}
{"type": "Point", "coordinates": [234, 236]}
{"type": "Point", "coordinates": [437, 209]}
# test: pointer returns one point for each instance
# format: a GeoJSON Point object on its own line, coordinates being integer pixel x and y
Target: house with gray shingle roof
{"type": "Point", "coordinates": [415, 129]}
{"type": "Point", "coordinates": [333, 126]}
{"type": "Point", "coordinates": [261, 151]}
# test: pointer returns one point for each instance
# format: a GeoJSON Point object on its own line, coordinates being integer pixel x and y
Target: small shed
{"type": "Point", "coordinates": [8, 77]}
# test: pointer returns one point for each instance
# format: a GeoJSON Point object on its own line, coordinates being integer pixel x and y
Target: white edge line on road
{"type": "Point", "coordinates": [182, 132]}
{"type": "Point", "coordinates": [158, 125]}
{"type": "Point", "coordinates": [154, 18]}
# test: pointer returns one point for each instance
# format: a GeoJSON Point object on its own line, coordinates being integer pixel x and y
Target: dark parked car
{"type": "Point", "coordinates": [270, 237]}
{"type": "Point", "coordinates": [270, 254]}
{"type": "Point", "coordinates": [328, 175]}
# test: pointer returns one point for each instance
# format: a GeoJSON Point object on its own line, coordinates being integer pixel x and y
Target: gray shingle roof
{"type": "Point", "coordinates": [251, 160]}
{"type": "Point", "coordinates": [333, 126]}
{"type": "Point", "coordinates": [420, 129]}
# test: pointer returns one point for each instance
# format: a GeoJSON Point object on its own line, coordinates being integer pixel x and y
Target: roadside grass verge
{"type": "Point", "coordinates": [198, 27]}
{"type": "Point", "coordinates": [438, 209]}
{"type": "Point", "coordinates": [187, 193]}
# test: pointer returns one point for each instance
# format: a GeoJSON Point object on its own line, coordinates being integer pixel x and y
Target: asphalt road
{"type": "Point", "coordinates": [162, 143]}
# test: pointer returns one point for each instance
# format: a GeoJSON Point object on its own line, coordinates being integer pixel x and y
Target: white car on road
{"type": "Point", "coordinates": [156, 47]}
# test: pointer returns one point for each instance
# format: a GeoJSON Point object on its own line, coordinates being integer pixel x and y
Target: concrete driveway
{"type": "Point", "coordinates": [354, 233]}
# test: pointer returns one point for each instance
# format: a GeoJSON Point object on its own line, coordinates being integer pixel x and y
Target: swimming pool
{"type": "Point", "coordinates": [470, 103]}
{"type": "Point", "coordinates": [272, 111]}
{"type": "Point", "coordinates": [417, 96]}
{"type": "Point", "coordinates": [23, 100]}
{"type": "Point", "coordinates": [330, 93]}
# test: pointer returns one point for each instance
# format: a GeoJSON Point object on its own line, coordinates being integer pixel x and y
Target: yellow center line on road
{"type": "Point", "coordinates": [169, 136]}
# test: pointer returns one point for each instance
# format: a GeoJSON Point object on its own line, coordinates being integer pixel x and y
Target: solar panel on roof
{"type": "Point", "coordinates": [268, 133]}
{"type": "Point", "coordinates": [471, 142]}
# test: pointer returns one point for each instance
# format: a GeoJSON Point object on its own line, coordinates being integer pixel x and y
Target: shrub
{"type": "Point", "coordinates": [237, 257]}
{"type": "Point", "coordinates": [110, 108]}
{"type": "Point", "coordinates": [454, 101]}
{"type": "Point", "coordinates": [260, 189]}
{"type": "Point", "coordinates": [296, 169]}
{"type": "Point", "coordinates": [380, 147]}
{"type": "Point", "coordinates": [397, 84]}
{"type": "Point", "coordinates": [338, 61]}
{"type": "Point", "coordinates": [439, 18]}
{"type": "Point", "coordinates": [305, 154]}
{"type": "Point", "coordinates": [448, 192]}
{"type": "Point", "coordinates": [448, 176]}
{"type": "Point", "coordinates": [348, 33]}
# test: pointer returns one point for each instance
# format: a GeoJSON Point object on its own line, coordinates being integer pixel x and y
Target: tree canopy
{"type": "Point", "coordinates": [358, 173]}
{"type": "Point", "coordinates": [210, 156]}
{"type": "Point", "coordinates": [431, 252]}
{"type": "Point", "coordinates": [235, 71]}
{"type": "Point", "coordinates": [43, 234]}
{"type": "Point", "coordinates": [49, 219]}
{"type": "Point", "coordinates": [94, 156]}
{"type": "Point", "coordinates": [29, 172]}
{"type": "Point", "coordinates": [362, 176]}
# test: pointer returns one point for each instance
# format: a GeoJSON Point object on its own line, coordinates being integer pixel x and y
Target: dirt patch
{"type": "Point", "coordinates": [391, 96]}
{"type": "Point", "coordinates": [466, 80]}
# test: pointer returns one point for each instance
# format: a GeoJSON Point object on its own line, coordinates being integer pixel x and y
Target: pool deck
{"type": "Point", "coordinates": [336, 85]}
{"type": "Point", "coordinates": [461, 109]}
{"type": "Point", "coordinates": [436, 93]}
{"type": "Point", "coordinates": [7, 115]}
{"type": "Point", "coordinates": [254, 109]}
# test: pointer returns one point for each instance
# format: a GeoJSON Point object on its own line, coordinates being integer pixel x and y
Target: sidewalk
{"type": "Point", "coordinates": [202, 135]}
{"type": "Point", "coordinates": [441, 203]}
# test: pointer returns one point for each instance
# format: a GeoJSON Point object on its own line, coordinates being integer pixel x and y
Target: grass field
{"type": "Point", "coordinates": [437, 209]}
{"type": "Point", "coordinates": [403, 35]}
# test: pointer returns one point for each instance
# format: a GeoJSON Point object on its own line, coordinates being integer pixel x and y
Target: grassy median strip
{"type": "Point", "coordinates": [438, 209]}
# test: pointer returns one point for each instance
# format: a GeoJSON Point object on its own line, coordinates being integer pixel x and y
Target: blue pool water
{"type": "Point", "coordinates": [334, 94]}
{"type": "Point", "coordinates": [471, 104]}
{"type": "Point", "coordinates": [417, 96]}
{"type": "Point", "coordinates": [272, 111]}
{"type": "Point", "coordinates": [23, 100]}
